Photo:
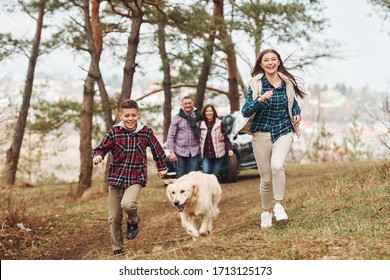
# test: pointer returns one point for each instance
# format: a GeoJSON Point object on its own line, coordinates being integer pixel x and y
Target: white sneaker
{"type": "Point", "coordinates": [280, 214]}
{"type": "Point", "coordinates": [266, 219]}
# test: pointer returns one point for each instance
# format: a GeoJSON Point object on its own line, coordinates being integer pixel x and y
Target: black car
{"type": "Point", "coordinates": [243, 157]}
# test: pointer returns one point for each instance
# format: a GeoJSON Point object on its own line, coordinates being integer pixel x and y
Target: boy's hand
{"type": "Point", "coordinates": [173, 157]}
{"type": "Point", "coordinates": [98, 159]}
{"type": "Point", "coordinates": [162, 173]}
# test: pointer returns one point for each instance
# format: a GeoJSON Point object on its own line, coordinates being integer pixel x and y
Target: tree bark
{"type": "Point", "coordinates": [132, 46]}
{"type": "Point", "coordinates": [85, 147]}
{"type": "Point", "coordinates": [207, 62]}
{"type": "Point", "coordinates": [234, 96]}
{"type": "Point", "coordinates": [167, 107]}
{"type": "Point", "coordinates": [94, 70]}
{"type": "Point", "coordinates": [86, 166]}
{"type": "Point", "coordinates": [204, 74]}
{"type": "Point", "coordinates": [13, 153]}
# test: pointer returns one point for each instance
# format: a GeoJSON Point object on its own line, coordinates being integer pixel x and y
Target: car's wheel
{"type": "Point", "coordinates": [232, 169]}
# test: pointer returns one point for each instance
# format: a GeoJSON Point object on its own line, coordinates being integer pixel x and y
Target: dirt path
{"type": "Point", "coordinates": [96, 238]}
{"type": "Point", "coordinates": [95, 241]}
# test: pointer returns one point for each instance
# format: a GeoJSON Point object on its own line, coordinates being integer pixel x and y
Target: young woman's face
{"type": "Point", "coordinates": [209, 113]}
{"type": "Point", "coordinates": [129, 117]}
{"type": "Point", "coordinates": [270, 63]}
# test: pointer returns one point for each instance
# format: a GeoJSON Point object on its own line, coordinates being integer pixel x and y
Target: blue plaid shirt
{"type": "Point", "coordinates": [271, 115]}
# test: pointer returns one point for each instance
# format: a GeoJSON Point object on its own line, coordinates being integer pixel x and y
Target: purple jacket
{"type": "Point", "coordinates": [181, 139]}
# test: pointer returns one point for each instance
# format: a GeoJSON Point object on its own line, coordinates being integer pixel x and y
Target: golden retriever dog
{"type": "Point", "coordinates": [196, 197]}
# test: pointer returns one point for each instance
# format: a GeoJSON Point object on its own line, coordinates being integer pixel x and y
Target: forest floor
{"type": "Point", "coordinates": [336, 211]}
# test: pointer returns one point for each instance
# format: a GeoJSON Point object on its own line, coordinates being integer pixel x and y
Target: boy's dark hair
{"type": "Point", "coordinates": [128, 104]}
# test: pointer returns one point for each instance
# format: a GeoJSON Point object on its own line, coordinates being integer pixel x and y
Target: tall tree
{"type": "Point", "coordinates": [167, 107]}
{"type": "Point", "coordinates": [208, 28]}
{"type": "Point", "coordinates": [229, 49]}
{"type": "Point", "coordinates": [133, 10]}
{"type": "Point", "coordinates": [85, 147]}
{"type": "Point", "coordinates": [132, 45]}
{"type": "Point", "coordinates": [207, 60]}
{"type": "Point", "coordinates": [194, 43]}
{"type": "Point", "coordinates": [268, 22]}
{"type": "Point", "coordinates": [13, 153]}
{"type": "Point", "coordinates": [94, 70]}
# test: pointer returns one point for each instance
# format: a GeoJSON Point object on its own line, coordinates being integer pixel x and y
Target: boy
{"type": "Point", "coordinates": [127, 174]}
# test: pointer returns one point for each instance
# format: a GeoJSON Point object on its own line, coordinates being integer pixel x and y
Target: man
{"type": "Point", "coordinates": [183, 138]}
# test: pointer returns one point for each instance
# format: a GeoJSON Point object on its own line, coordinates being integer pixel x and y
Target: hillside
{"type": "Point", "coordinates": [337, 211]}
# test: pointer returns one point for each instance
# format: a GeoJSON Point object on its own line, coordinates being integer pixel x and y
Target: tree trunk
{"type": "Point", "coordinates": [207, 62]}
{"type": "Point", "coordinates": [205, 72]}
{"type": "Point", "coordinates": [13, 153]}
{"type": "Point", "coordinates": [227, 41]}
{"type": "Point", "coordinates": [94, 70]}
{"type": "Point", "coordinates": [234, 95]}
{"type": "Point", "coordinates": [86, 166]}
{"type": "Point", "coordinates": [167, 107]}
{"type": "Point", "coordinates": [132, 46]}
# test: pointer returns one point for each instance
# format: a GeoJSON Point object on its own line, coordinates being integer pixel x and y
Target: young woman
{"type": "Point", "coordinates": [214, 141]}
{"type": "Point", "coordinates": [271, 98]}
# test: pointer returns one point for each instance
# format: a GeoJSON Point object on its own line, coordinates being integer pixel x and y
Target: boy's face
{"type": "Point", "coordinates": [129, 117]}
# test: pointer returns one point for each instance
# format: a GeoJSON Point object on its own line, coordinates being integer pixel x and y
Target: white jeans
{"type": "Point", "coordinates": [270, 158]}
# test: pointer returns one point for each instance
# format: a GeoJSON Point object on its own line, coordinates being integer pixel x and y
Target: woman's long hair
{"type": "Point", "coordinates": [257, 70]}
{"type": "Point", "coordinates": [203, 116]}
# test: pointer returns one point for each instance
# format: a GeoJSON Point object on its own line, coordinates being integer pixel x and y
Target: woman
{"type": "Point", "coordinates": [214, 141]}
{"type": "Point", "coordinates": [271, 98]}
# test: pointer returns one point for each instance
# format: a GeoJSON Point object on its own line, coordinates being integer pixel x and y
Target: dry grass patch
{"type": "Point", "coordinates": [336, 211]}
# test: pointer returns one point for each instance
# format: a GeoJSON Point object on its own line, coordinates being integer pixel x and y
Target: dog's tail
{"type": "Point", "coordinates": [216, 190]}
{"type": "Point", "coordinates": [215, 195]}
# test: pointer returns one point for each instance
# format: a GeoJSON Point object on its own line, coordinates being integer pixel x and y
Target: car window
{"type": "Point", "coordinates": [228, 121]}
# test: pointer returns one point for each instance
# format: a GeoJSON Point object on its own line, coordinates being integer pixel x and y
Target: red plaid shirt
{"type": "Point", "coordinates": [129, 166]}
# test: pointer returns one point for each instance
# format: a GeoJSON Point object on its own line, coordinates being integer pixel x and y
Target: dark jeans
{"type": "Point", "coordinates": [212, 166]}
{"type": "Point", "coordinates": [185, 165]}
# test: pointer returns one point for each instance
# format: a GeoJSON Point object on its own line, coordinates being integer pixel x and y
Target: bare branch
{"type": "Point", "coordinates": [181, 86]}
{"type": "Point", "coordinates": [27, 10]}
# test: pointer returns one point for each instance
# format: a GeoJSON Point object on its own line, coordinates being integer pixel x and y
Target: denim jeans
{"type": "Point", "coordinates": [212, 166]}
{"type": "Point", "coordinates": [185, 165]}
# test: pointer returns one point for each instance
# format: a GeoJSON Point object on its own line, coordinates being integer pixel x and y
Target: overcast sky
{"type": "Point", "coordinates": [364, 38]}
{"type": "Point", "coordinates": [365, 43]}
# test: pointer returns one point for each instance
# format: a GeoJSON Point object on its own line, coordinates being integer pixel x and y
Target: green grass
{"type": "Point", "coordinates": [336, 211]}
